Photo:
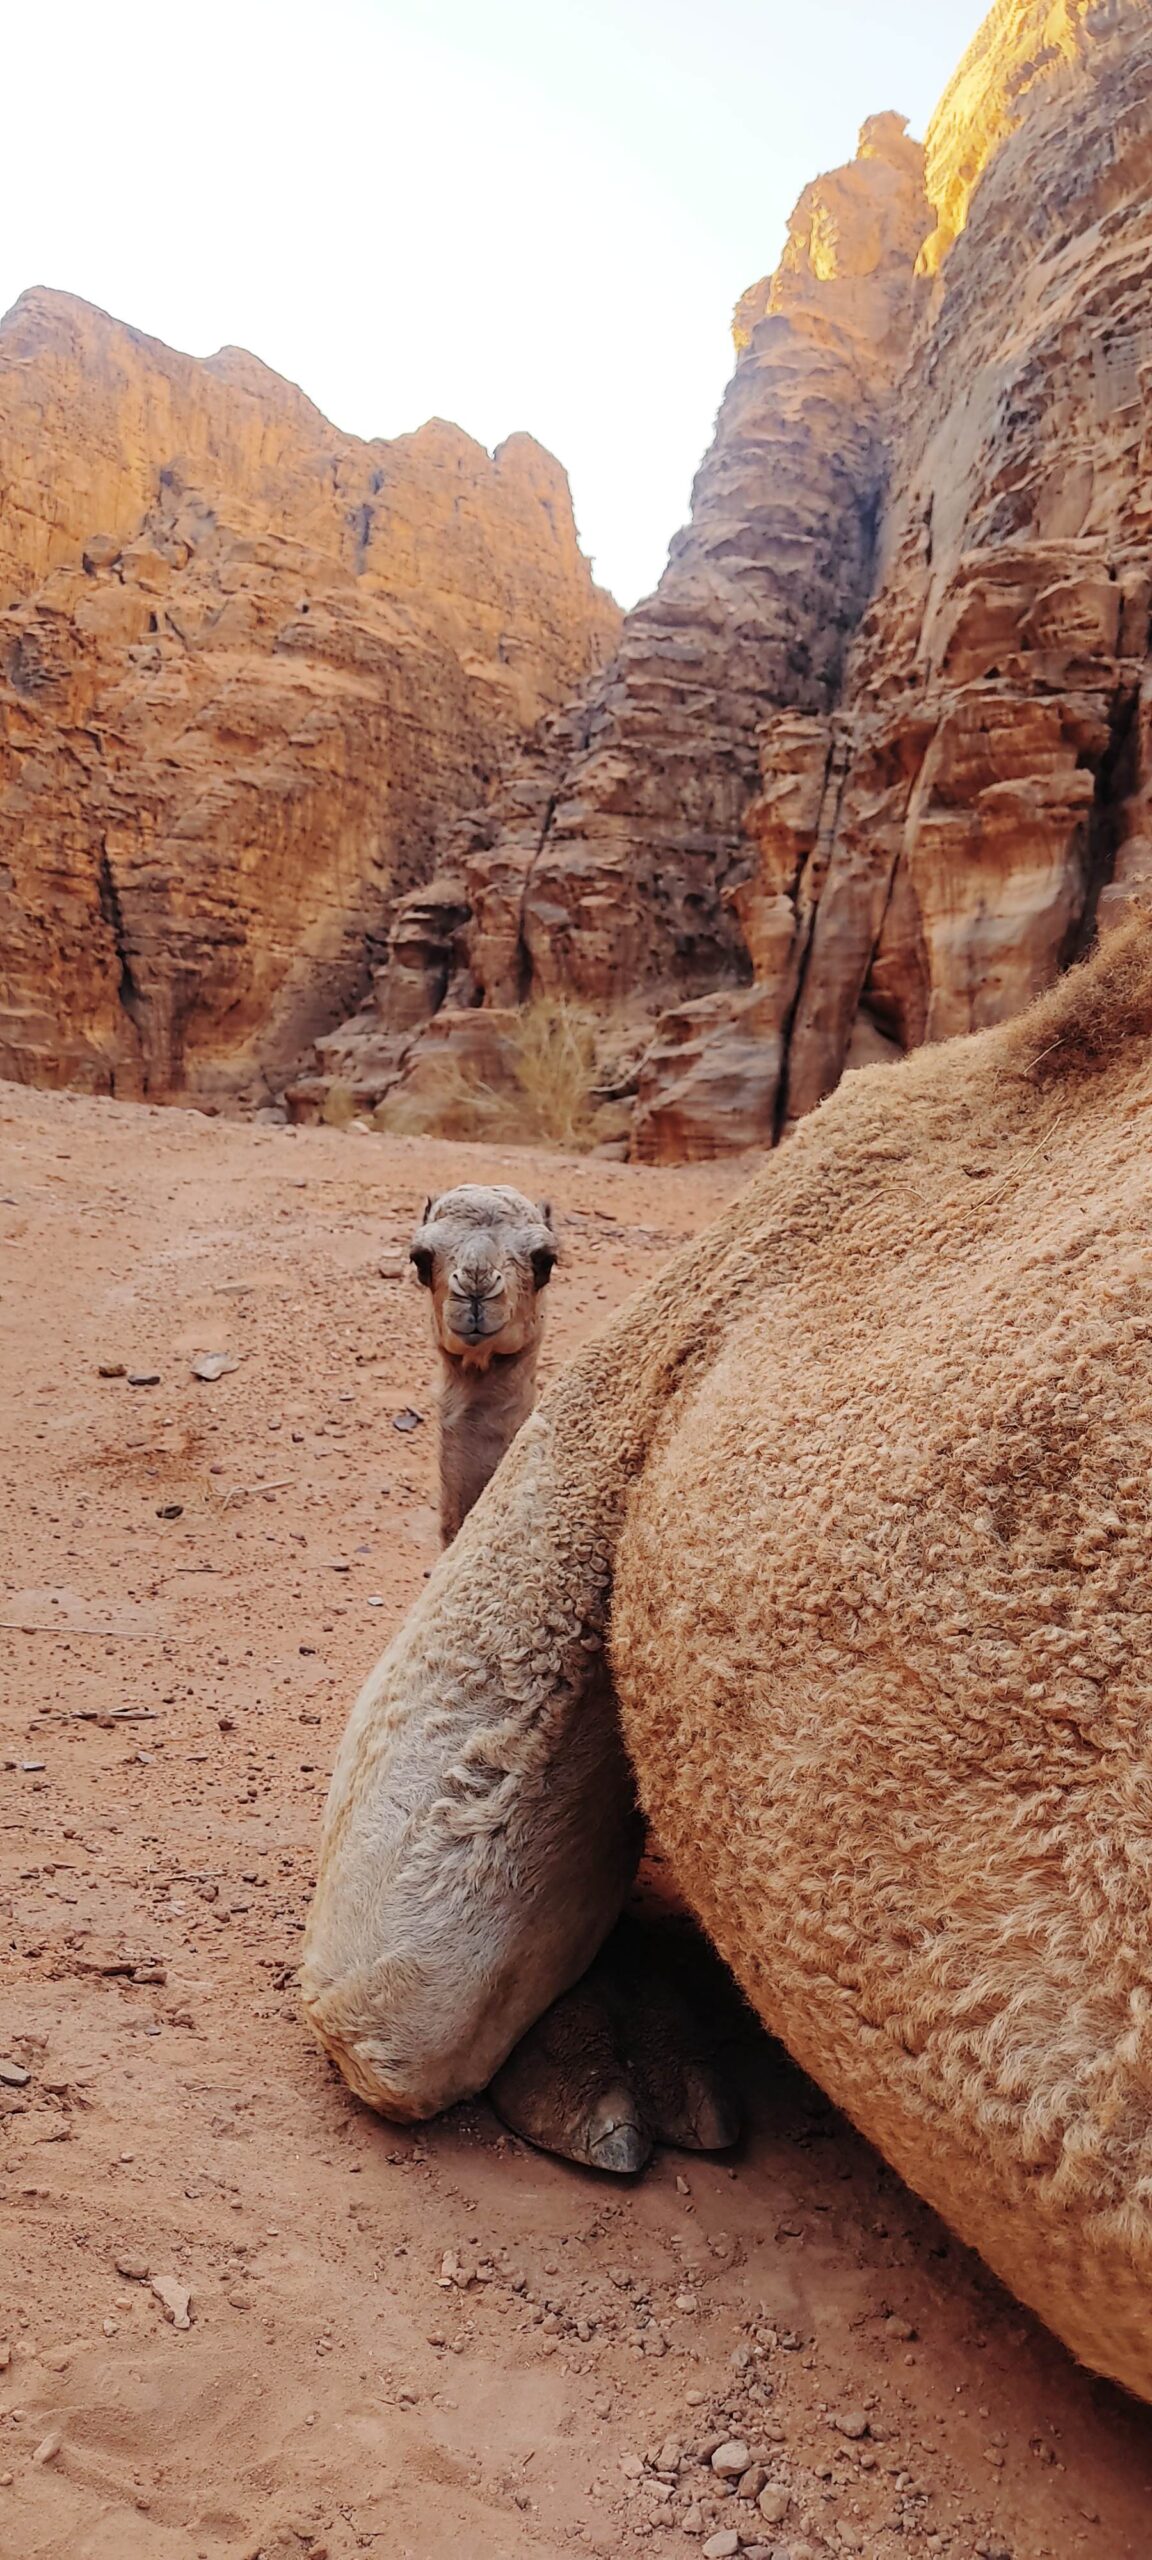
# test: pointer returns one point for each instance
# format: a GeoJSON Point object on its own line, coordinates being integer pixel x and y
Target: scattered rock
{"type": "Point", "coordinates": [721, 2546]}
{"type": "Point", "coordinates": [112, 1369]}
{"type": "Point", "coordinates": [143, 1377]}
{"type": "Point", "coordinates": [849, 2422]}
{"type": "Point", "coordinates": [133, 2266]}
{"type": "Point", "coordinates": [211, 1365]}
{"type": "Point", "coordinates": [13, 2075]}
{"type": "Point", "coordinates": [176, 2299]}
{"type": "Point", "coordinates": [774, 2502]}
{"type": "Point", "coordinates": [731, 2459]}
{"type": "Point", "coordinates": [48, 2447]}
{"type": "Point", "coordinates": [169, 1510]}
{"type": "Point", "coordinates": [407, 1419]}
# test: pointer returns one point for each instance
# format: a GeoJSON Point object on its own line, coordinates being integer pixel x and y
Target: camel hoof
{"type": "Point", "coordinates": [705, 2117]}
{"type": "Point", "coordinates": [616, 2140]}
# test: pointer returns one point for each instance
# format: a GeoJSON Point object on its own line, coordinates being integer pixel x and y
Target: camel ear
{"type": "Point", "coordinates": [421, 1259]}
{"type": "Point", "coordinates": [544, 1209]}
{"type": "Point", "coordinates": [427, 1212]}
{"type": "Point", "coordinates": [543, 1265]}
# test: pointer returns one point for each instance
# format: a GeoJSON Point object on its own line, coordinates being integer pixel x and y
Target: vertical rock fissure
{"type": "Point", "coordinates": [1115, 779]}
{"type": "Point", "coordinates": [128, 993]}
{"type": "Point", "coordinates": [816, 864]}
{"type": "Point", "coordinates": [523, 953]}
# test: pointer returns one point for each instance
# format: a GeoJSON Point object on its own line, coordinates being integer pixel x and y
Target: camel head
{"type": "Point", "coordinates": [485, 1254]}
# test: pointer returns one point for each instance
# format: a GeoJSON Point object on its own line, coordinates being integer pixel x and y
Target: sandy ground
{"type": "Point", "coordinates": [430, 2345]}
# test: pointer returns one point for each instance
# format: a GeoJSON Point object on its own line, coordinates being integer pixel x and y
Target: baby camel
{"type": "Point", "coordinates": [485, 1254]}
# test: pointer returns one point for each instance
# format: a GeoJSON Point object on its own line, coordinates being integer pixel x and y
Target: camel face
{"type": "Point", "coordinates": [485, 1254]}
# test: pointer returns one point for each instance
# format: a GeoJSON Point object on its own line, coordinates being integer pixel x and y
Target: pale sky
{"type": "Point", "coordinates": [511, 213]}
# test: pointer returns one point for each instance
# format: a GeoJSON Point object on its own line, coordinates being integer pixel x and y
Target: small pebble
{"type": "Point", "coordinates": [773, 2503]}
{"type": "Point", "coordinates": [130, 2265]}
{"type": "Point", "coordinates": [731, 2459]}
{"type": "Point", "coordinates": [48, 2447]}
{"type": "Point", "coordinates": [849, 2422]}
{"type": "Point", "coordinates": [721, 2546]}
{"type": "Point", "coordinates": [14, 2076]}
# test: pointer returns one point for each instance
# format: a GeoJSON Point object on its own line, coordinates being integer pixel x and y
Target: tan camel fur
{"type": "Point", "coordinates": [851, 1510]}
{"type": "Point", "coordinates": [485, 1254]}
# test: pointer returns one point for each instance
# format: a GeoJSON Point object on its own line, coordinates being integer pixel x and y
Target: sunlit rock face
{"type": "Point", "coordinates": [872, 764]}
{"type": "Point", "coordinates": [249, 667]}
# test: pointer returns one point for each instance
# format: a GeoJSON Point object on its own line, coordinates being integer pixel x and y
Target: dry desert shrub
{"type": "Point", "coordinates": [548, 1099]}
{"type": "Point", "coordinates": [555, 1045]}
{"type": "Point", "coordinates": [338, 1106]}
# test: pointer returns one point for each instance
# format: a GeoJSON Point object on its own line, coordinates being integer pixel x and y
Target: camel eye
{"type": "Point", "coordinates": [543, 1265]}
{"type": "Point", "coordinates": [422, 1258]}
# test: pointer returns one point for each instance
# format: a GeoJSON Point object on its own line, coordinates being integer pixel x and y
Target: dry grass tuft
{"type": "Point", "coordinates": [547, 1101]}
{"type": "Point", "coordinates": [338, 1106]}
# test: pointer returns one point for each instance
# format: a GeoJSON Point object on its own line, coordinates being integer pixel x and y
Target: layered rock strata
{"type": "Point", "coordinates": [249, 669]}
{"type": "Point", "coordinates": [874, 762]}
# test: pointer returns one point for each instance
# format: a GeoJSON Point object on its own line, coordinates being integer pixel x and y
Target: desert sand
{"type": "Point", "coordinates": [238, 2314]}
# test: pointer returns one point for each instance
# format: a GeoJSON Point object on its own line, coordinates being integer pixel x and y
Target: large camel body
{"type": "Point", "coordinates": [848, 1515]}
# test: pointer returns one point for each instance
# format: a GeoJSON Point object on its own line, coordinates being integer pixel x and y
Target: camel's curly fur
{"type": "Point", "coordinates": [860, 1494]}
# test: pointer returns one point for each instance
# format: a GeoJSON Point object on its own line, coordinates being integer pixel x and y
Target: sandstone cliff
{"type": "Point", "coordinates": [248, 669]}
{"type": "Point", "coordinates": [873, 761]}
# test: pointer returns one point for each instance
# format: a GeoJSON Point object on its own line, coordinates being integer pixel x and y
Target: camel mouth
{"type": "Point", "coordinates": [477, 1319]}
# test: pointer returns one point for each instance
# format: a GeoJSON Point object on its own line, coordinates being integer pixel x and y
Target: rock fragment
{"type": "Point", "coordinates": [210, 1365]}
{"type": "Point", "coordinates": [176, 2298]}
{"type": "Point", "coordinates": [849, 2422]}
{"type": "Point", "coordinates": [731, 2459]}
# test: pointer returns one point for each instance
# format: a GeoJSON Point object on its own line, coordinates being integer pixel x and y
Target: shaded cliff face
{"type": "Point", "coordinates": [994, 716]}
{"type": "Point", "coordinates": [248, 669]}
{"type": "Point", "coordinates": [626, 865]}
{"type": "Point", "coordinates": [873, 763]}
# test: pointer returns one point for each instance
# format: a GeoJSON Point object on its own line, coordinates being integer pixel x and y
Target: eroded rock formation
{"type": "Point", "coordinates": [874, 761]}
{"type": "Point", "coordinates": [870, 767]}
{"type": "Point", "coordinates": [249, 667]}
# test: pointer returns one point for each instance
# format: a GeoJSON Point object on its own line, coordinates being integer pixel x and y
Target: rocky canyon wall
{"type": "Point", "coordinates": [291, 723]}
{"type": "Point", "coordinates": [249, 667]}
{"type": "Point", "coordinates": [873, 762]}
